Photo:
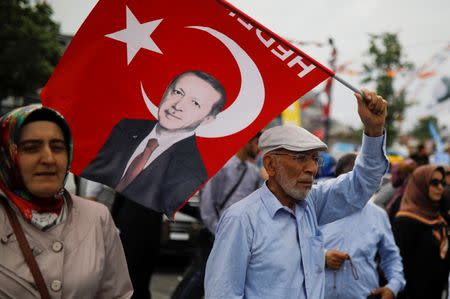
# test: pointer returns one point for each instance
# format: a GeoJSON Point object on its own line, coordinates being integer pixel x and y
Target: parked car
{"type": "Point", "coordinates": [178, 237]}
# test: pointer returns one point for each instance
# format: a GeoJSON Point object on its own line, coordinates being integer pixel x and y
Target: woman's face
{"type": "Point", "coordinates": [42, 158]}
{"type": "Point", "coordinates": [436, 186]}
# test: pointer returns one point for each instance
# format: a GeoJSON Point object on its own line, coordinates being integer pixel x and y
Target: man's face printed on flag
{"type": "Point", "coordinates": [187, 103]}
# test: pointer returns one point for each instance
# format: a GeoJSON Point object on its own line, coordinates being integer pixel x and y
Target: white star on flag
{"type": "Point", "coordinates": [136, 35]}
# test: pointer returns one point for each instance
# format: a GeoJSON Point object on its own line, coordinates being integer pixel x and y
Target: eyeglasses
{"type": "Point", "coordinates": [303, 158]}
{"type": "Point", "coordinates": [436, 182]}
{"type": "Point", "coordinates": [354, 270]}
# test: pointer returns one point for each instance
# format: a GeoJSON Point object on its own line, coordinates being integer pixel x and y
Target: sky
{"type": "Point", "coordinates": [423, 29]}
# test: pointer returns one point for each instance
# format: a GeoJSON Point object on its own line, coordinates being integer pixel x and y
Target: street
{"type": "Point", "coordinates": [167, 275]}
{"type": "Point", "coordinates": [163, 284]}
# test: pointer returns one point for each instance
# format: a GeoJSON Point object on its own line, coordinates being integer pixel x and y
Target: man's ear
{"type": "Point", "coordinates": [270, 165]}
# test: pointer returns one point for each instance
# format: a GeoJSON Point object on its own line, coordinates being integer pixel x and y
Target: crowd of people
{"type": "Point", "coordinates": [278, 232]}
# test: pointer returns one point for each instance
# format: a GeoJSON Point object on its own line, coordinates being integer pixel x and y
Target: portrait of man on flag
{"type": "Point", "coordinates": [160, 94]}
{"type": "Point", "coordinates": [161, 158]}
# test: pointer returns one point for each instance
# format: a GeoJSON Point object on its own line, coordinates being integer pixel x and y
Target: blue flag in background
{"type": "Point", "coordinates": [440, 156]}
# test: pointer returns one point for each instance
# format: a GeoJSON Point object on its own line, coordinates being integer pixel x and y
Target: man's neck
{"type": "Point", "coordinates": [241, 155]}
{"type": "Point", "coordinates": [162, 132]}
{"type": "Point", "coordinates": [282, 197]}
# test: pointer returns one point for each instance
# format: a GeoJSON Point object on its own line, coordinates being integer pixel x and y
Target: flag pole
{"type": "Point", "coordinates": [348, 85]}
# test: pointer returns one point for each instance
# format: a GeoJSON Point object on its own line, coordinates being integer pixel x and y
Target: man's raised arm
{"type": "Point", "coordinates": [349, 192]}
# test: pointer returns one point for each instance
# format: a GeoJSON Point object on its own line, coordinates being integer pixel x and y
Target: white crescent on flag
{"type": "Point", "coordinates": [248, 104]}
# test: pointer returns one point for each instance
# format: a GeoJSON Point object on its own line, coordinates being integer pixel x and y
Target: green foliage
{"type": "Point", "coordinates": [386, 57]}
{"type": "Point", "coordinates": [421, 131]}
{"type": "Point", "coordinates": [29, 48]}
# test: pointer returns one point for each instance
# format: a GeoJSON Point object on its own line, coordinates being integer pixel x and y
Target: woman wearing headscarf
{"type": "Point", "coordinates": [52, 244]}
{"type": "Point", "coordinates": [399, 180]}
{"type": "Point", "coordinates": [421, 234]}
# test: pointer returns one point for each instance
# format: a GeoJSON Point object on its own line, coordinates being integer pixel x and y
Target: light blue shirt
{"type": "Point", "coordinates": [265, 250]}
{"type": "Point", "coordinates": [362, 235]}
{"type": "Point", "coordinates": [213, 199]}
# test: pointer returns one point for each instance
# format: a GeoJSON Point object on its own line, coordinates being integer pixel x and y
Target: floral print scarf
{"type": "Point", "coordinates": [41, 212]}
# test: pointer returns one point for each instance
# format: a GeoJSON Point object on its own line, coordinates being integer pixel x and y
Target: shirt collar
{"type": "Point", "coordinates": [169, 138]}
{"type": "Point", "coordinates": [271, 203]}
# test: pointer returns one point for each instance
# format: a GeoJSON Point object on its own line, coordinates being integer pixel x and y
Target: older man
{"type": "Point", "coordinates": [268, 245]}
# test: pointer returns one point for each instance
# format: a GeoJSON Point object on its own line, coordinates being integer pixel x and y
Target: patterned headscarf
{"type": "Point", "coordinates": [416, 204]}
{"type": "Point", "coordinates": [32, 208]}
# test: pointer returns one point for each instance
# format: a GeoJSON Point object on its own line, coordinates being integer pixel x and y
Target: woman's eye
{"type": "Point", "coordinates": [58, 148]}
{"type": "Point", "coordinates": [196, 104]}
{"type": "Point", "coordinates": [29, 148]}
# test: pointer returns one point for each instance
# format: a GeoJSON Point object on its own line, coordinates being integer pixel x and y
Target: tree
{"type": "Point", "coordinates": [421, 131]}
{"type": "Point", "coordinates": [29, 49]}
{"type": "Point", "coordinates": [386, 56]}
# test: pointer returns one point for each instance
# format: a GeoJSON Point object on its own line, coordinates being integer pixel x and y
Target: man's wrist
{"type": "Point", "coordinates": [394, 286]}
{"type": "Point", "coordinates": [374, 132]}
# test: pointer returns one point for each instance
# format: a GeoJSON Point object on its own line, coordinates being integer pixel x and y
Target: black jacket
{"type": "Point", "coordinates": [426, 273]}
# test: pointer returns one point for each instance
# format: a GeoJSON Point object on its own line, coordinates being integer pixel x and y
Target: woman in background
{"type": "Point", "coordinates": [421, 234]}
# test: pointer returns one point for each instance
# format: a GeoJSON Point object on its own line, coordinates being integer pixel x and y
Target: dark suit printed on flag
{"type": "Point", "coordinates": [164, 184]}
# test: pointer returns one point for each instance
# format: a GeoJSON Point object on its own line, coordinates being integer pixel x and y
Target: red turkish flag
{"type": "Point", "coordinates": [128, 52]}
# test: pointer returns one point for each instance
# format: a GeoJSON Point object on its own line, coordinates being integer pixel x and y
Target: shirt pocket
{"type": "Point", "coordinates": [315, 272]}
{"type": "Point", "coordinates": [318, 254]}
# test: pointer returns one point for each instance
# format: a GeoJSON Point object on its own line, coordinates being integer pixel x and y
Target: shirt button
{"type": "Point", "coordinates": [56, 285]}
{"type": "Point", "coordinates": [57, 246]}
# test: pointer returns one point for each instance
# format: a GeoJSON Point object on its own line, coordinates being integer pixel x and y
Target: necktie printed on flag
{"type": "Point", "coordinates": [137, 165]}
{"type": "Point", "coordinates": [127, 53]}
